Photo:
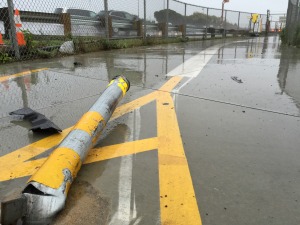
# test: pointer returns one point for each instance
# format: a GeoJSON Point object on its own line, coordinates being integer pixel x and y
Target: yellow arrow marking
{"type": "Point", "coordinates": [178, 203]}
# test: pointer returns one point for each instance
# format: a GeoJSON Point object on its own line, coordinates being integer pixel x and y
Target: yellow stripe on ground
{"type": "Point", "coordinates": [115, 151]}
{"type": "Point", "coordinates": [171, 84]}
{"type": "Point", "coordinates": [95, 155]}
{"type": "Point", "coordinates": [128, 107]}
{"type": "Point", "coordinates": [18, 157]}
{"type": "Point", "coordinates": [178, 202]}
{"type": "Point", "coordinates": [23, 169]}
{"type": "Point", "coordinates": [25, 73]}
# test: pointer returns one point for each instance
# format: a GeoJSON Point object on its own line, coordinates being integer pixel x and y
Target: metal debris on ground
{"type": "Point", "coordinates": [38, 121]}
{"type": "Point", "coordinates": [236, 79]}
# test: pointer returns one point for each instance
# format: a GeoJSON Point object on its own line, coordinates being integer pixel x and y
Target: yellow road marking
{"type": "Point", "coordinates": [25, 73]}
{"type": "Point", "coordinates": [119, 150]}
{"type": "Point", "coordinates": [170, 85]}
{"type": "Point", "coordinates": [24, 169]}
{"type": "Point", "coordinates": [126, 108]}
{"type": "Point", "coordinates": [178, 203]}
{"type": "Point", "coordinates": [17, 157]}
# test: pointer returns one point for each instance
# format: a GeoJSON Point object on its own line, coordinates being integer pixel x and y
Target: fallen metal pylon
{"type": "Point", "coordinates": [46, 191]}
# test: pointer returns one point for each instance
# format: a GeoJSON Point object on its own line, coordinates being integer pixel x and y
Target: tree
{"type": "Point", "coordinates": [196, 19]}
{"type": "Point", "coordinates": [174, 17]}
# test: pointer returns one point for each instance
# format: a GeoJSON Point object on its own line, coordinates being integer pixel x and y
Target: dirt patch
{"type": "Point", "coordinates": [84, 206]}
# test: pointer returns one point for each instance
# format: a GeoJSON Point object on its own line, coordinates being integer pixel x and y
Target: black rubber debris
{"type": "Point", "coordinates": [77, 64]}
{"type": "Point", "coordinates": [38, 121]}
{"type": "Point", "coordinates": [236, 79]}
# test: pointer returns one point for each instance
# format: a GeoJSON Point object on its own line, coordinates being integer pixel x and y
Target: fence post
{"type": "Point", "coordinates": [238, 28]}
{"type": "Point", "coordinates": [162, 27]}
{"type": "Point", "coordinates": [65, 19]}
{"type": "Point", "coordinates": [267, 22]}
{"type": "Point", "coordinates": [145, 19]}
{"type": "Point", "coordinates": [250, 24]}
{"type": "Point", "coordinates": [110, 27]}
{"type": "Point", "coordinates": [107, 33]}
{"type": "Point", "coordinates": [182, 28]}
{"type": "Point", "coordinates": [167, 20]}
{"type": "Point", "coordinates": [185, 23]}
{"type": "Point", "coordinates": [297, 11]}
{"type": "Point", "coordinates": [206, 27]}
{"type": "Point", "coordinates": [225, 26]}
{"type": "Point", "coordinates": [13, 33]}
{"type": "Point", "coordinates": [139, 27]}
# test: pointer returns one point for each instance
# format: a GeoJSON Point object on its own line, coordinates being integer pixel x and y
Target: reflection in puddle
{"type": "Point", "coordinates": [288, 74]}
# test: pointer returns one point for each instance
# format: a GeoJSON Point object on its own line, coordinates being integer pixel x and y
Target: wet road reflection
{"type": "Point", "coordinates": [288, 74]}
{"type": "Point", "coordinates": [254, 62]}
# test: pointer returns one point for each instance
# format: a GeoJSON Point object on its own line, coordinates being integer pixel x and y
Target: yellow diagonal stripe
{"type": "Point", "coordinates": [95, 155]}
{"type": "Point", "coordinates": [25, 73]}
{"type": "Point", "coordinates": [18, 157]}
{"type": "Point", "coordinates": [115, 151]}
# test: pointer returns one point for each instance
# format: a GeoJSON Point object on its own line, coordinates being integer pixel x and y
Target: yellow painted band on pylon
{"type": "Point", "coordinates": [110, 83]}
{"type": "Point", "coordinates": [123, 85]}
{"type": "Point", "coordinates": [51, 173]}
{"type": "Point", "coordinates": [89, 122]}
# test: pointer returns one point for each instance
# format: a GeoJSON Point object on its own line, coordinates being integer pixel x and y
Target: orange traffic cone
{"type": "Point", "coordinates": [1, 40]}
{"type": "Point", "coordinates": [20, 36]}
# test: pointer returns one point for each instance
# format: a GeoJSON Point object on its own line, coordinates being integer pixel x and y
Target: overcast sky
{"type": "Point", "coordinates": [259, 6]}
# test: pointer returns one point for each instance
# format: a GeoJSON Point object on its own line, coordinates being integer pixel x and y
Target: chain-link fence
{"type": "Point", "coordinates": [31, 29]}
{"type": "Point", "coordinates": [292, 32]}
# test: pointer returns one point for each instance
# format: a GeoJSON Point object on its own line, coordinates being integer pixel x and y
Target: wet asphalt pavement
{"type": "Point", "coordinates": [241, 139]}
